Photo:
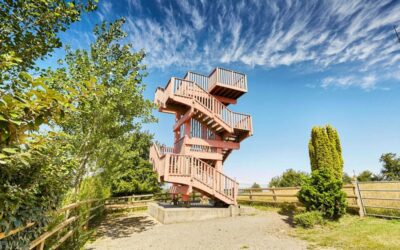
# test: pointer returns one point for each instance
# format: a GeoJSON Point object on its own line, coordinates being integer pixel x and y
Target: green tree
{"type": "Point", "coordinates": [109, 104]}
{"type": "Point", "coordinates": [346, 178]}
{"type": "Point", "coordinates": [289, 178]}
{"type": "Point", "coordinates": [34, 172]}
{"type": "Point", "coordinates": [325, 150]}
{"type": "Point", "coordinates": [133, 173]}
{"type": "Point", "coordinates": [28, 29]}
{"type": "Point", "coordinates": [366, 176]}
{"type": "Point", "coordinates": [323, 192]}
{"type": "Point", "coordinates": [391, 166]}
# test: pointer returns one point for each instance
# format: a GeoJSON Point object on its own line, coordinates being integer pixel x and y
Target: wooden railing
{"type": "Point", "coordinates": [129, 202]}
{"type": "Point", "coordinates": [192, 147]}
{"type": "Point", "coordinates": [202, 148]}
{"type": "Point", "coordinates": [72, 221]}
{"type": "Point", "coordinates": [165, 150]}
{"type": "Point", "coordinates": [188, 166]}
{"type": "Point", "coordinates": [199, 79]}
{"type": "Point", "coordinates": [71, 217]}
{"type": "Point", "coordinates": [191, 90]}
{"type": "Point", "coordinates": [227, 77]}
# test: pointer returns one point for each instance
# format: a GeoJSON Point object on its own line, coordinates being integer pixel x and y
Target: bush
{"type": "Point", "coordinates": [289, 178]}
{"type": "Point", "coordinates": [308, 219]}
{"type": "Point", "coordinates": [323, 192]}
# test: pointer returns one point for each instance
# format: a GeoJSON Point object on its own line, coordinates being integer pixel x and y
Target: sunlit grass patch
{"type": "Point", "coordinates": [352, 232]}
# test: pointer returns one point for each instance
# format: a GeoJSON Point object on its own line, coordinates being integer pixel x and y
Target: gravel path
{"type": "Point", "coordinates": [265, 230]}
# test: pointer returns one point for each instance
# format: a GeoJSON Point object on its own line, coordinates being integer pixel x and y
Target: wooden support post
{"type": "Point", "coordinates": [88, 216]}
{"type": "Point", "coordinates": [251, 196]}
{"type": "Point", "coordinates": [40, 246]}
{"type": "Point", "coordinates": [274, 194]}
{"type": "Point", "coordinates": [357, 193]}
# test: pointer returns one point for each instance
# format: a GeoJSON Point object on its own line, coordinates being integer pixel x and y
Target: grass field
{"type": "Point", "coordinates": [352, 232]}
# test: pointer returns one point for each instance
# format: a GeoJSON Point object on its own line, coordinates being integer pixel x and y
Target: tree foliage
{"type": "Point", "coordinates": [289, 178]}
{"type": "Point", "coordinates": [89, 105]}
{"type": "Point", "coordinates": [34, 171]}
{"type": "Point", "coordinates": [109, 103]}
{"type": "Point", "coordinates": [346, 178]}
{"type": "Point", "coordinates": [390, 167]}
{"type": "Point", "coordinates": [323, 192]}
{"type": "Point", "coordinates": [134, 174]}
{"type": "Point", "coordinates": [367, 175]}
{"type": "Point", "coordinates": [255, 186]}
{"type": "Point", "coordinates": [28, 28]}
{"type": "Point", "coordinates": [325, 150]}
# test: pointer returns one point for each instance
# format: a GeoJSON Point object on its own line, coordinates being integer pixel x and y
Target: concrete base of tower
{"type": "Point", "coordinates": [168, 214]}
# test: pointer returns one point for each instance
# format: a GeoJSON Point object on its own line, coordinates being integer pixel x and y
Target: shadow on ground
{"type": "Point", "coordinates": [120, 227]}
{"type": "Point", "coordinates": [288, 217]}
{"type": "Point", "coordinates": [289, 220]}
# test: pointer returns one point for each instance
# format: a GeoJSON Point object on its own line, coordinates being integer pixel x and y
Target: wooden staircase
{"type": "Point", "coordinates": [182, 95]}
{"type": "Point", "coordinates": [206, 132]}
{"type": "Point", "coordinates": [191, 172]}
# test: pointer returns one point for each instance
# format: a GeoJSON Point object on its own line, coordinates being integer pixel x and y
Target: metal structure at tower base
{"type": "Point", "coordinates": [206, 131]}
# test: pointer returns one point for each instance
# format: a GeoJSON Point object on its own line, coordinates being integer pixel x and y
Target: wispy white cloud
{"type": "Point", "coordinates": [105, 9]}
{"type": "Point", "coordinates": [269, 34]}
{"type": "Point", "coordinates": [367, 82]}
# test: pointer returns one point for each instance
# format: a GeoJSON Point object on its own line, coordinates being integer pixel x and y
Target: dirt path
{"type": "Point", "coordinates": [265, 230]}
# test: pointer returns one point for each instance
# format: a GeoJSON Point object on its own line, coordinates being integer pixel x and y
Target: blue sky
{"type": "Point", "coordinates": [308, 63]}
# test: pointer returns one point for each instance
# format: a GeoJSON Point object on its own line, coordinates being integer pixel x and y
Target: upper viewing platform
{"type": "Point", "coordinates": [226, 85]}
{"type": "Point", "coordinates": [208, 97]}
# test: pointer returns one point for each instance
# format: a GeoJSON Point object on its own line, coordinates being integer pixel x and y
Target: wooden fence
{"type": "Point", "coordinates": [368, 198]}
{"type": "Point", "coordinates": [129, 202]}
{"type": "Point", "coordinates": [77, 216]}
{"type": "Point", "coordinates": [72, 217]}
{"type": "Point", "coordinates": [285, 194]}
{"type": "Point", "coordinates": [381, 199]}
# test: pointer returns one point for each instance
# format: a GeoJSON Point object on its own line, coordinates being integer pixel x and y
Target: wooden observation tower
{"type": "Point", "coordinates": [206, 131]}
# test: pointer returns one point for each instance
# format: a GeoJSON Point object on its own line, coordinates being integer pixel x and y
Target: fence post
{"type": "Point", "coordinates": [251, 196]}
{"type": "Point", "coordinates": [273, 193]}
{"type": "Point", "coordinates": [89, 206]}
{"type": "Point", "coordinates": [357, 193]}
{"type": "Point", "coordinates": [40, 246]}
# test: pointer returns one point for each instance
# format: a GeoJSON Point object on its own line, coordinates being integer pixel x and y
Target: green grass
{"type": "Point", "coordinates": [265, 208]}
{"type": "Point", "coordinates": [352, 232]}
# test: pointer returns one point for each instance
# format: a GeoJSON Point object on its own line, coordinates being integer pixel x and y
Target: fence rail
{"type": "Point", "coordinates": [380, 199]}
{"type": "Point", "coordinates": [389, 200]}
{"type": "Point", "coordinates": [71, 217]}
{"type": "Point", "coordinates": [370, 198]}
